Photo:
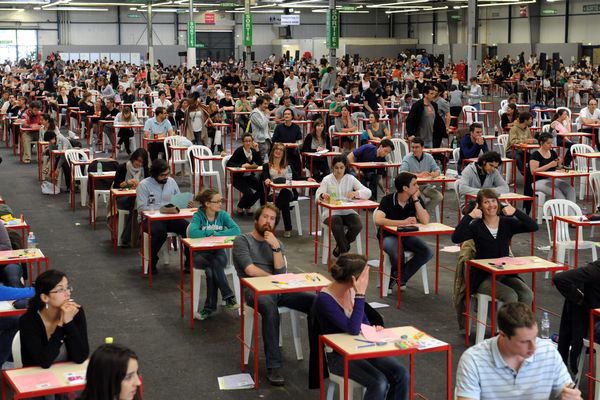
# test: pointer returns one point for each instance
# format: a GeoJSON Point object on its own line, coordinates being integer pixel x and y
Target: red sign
{"type": "Point", "coordinates": [210, 18]}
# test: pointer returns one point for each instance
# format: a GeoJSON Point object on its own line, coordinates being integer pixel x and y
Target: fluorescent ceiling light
{"type": "Point", "coordinates": [12, 9]}
{"type": "Point", "coordinates": [505, 4]}
{"type": "Point", "coordinates": [56, 3]}
{"type": "Point", "coordinates": [76, 9]}
{"type": "Point", "coordinates": [355, 12]}
{"type": "Point", "coordinates": [38, 2]}
{"type": "Point", "coordinates": [257, 12]}
{"type": "Point", "coordinates": [295, 3]}
{"type": "Point", "coordinates": [398, 3]}
{"type": "Point", "coordinates": [403, 11]}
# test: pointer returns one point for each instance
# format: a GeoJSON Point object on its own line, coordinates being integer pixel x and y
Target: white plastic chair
{"type": "Point", "coordinates": [325, 245]}
{"type": "Point", "coordinates": [594, 182]}
{"type": "Point", "coordinates": [16, 351]}
{"type": "Point", "coordinates": [583, 356]}
{"type": "Point", "coordinates": [175, 156]}
{"type": "Point", "coordinates": [249, 325]}
{"type": "Point", "coordinates": [140, 110]}
{"type": "Point", "coordinates": [581, 165]}
{"type": "Point", "coordinates": [202, 168]}
{"type": "Point", "coordinates": [568, 110]}
{"type": "Point", "coordinates": [387, 268]}
{"type": "Point", "coordinates": [121, 215]}
{"type": "Point", "coordinates": [502, 144]}
{"type": "Point", "coordinates": [503, 104]}
{"type": "Point", "coordinates": [470, 114]}
{"type": "Point", "coordinates": [339, 381]}
{"type": "Point", "coordinates": [483, 302]}
{"type": "Point", "coordinates": [562, 207]}
{"type": "Point", "coordinates": [80, 173]}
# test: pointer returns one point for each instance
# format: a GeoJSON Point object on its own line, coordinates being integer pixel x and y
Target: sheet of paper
{"type": "Point", "coordinates": [450, 249]}
{"type": "Point", "coordinates": [6, 306]}
{"type": "Point", "coordinates": [75, 378]}
{"type": "Point", "coordinates": [512, 261]}
{"type": "Point", "coordinates": [375, 304]}
{"type": "Point", "coordinates": [30, 383]}
{"type": "Point", "coordinates": [235, 382]}
{"type": "Point", "coordinates": [373, 335]}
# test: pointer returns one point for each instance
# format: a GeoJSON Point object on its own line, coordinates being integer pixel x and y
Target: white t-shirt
{"type": "Point", "coordinates": [585, 113]}
{"type": "Point", "coordinates": [292, 83]}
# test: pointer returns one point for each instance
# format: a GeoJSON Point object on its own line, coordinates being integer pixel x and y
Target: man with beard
{"type": "Point", "coordinates": [260, 253]}
{"type": "Point", "coordinates": [153, 193]}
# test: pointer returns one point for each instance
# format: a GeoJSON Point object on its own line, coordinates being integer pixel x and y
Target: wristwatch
{"type": "Point", "coordinates": [277, 250]}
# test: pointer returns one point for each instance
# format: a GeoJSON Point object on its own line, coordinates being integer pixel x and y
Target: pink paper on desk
{"type": "Point", "coordinates": [30, 383]}
{"type": "Point", "coordinates": [511, 261]}
{"type": "Point", "coordinates": [373, 335]}
{"type": "Point", "coordinates": [287, 278]}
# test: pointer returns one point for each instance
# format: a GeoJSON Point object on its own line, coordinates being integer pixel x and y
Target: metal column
{"type": "Point", "coordinates": [472, 38]}
{"type": "Point", "coordinates": [332, 50]}
{"type": "Point", "coordinates": [191, 51]}
{"type": "Point", "coordinates": [149, 32]}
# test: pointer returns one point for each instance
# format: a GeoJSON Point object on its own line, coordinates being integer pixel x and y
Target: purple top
{"type": "Point", "coordinates": [332, 318]}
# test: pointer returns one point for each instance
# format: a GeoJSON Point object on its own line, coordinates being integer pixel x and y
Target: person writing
{"type": "Point", "coordinates": [318, 140]}
{"type": "Point", "coordinates": [492, 226]}
{"type": "Point", "coordinates": [341, 308]}
{"type": "Point", "coordinates": [209, 221]}
{"type": "Point", "coordinates": [54, 327]}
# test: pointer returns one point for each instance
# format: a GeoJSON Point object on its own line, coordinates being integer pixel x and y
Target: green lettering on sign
{"type": "Point", "coordinates": [591, 8]}
{"type": "Point", "coordinates": [332, 25]}
{"type": "Point", "coordinates": [549, 11]}
{"type": "Point", "coordinates": [247, 26]}
{"type": "Point", "coordinates": [191, 34]}
{"type": "Point", "coordinates": [200, 45]}
{"type": "Point", "coordinates": [134, 16]}
{"type": "Point", "coordinates": [228, 5]}
{"type": "Point", "coordinates": [347, 8]}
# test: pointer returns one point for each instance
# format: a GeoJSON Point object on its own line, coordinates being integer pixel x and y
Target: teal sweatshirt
{"type": "Point", "coordinates": [223, 225]}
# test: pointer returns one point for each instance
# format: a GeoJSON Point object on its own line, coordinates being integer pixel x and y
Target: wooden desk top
{"type": "Point", "coordinates": [517, 265]}
{"type": "Point", "coordinates": [23, 255]}
{"type": "Point", "coordinates": [287, 282]}
{"type": "Point", "coordinates": [209, 242]}
{"type": "Point", "coordinates": [64, 375]}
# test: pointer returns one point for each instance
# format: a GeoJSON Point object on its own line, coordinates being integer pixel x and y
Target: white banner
{"type": "Point", "coordinates": [290, 20]}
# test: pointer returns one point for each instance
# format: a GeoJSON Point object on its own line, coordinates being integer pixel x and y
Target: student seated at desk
{"type": "Point", "coordinates": [128, 176]}
{"type": "Point", "coordinates": [208, 221]}
{"type": "Point", "coordinates": [372, 153]}
{"type": "Point", "coordinates": [482, 174]}
{"type": "Point", "coordinates": [10, 274]}
{"type": "Point", "coordinates": [155, 126]}
{"type": "Point", "coordinates": [492, 225]}
{"type": "Point", "coordinates": [245, 156]}
{"type": "Point", "coordinates": [515, 364]}
{"type": "Point", "coordinates": [423, 165]}
{"type": "Point", "coordinates": [260, 253]}
{"type": "Point", "coordinates": [340, 308]}
{"type": "Point", "coordinates": [345, 224]}
{"type": "Point", "coordinates": [317, 140]}
{"type": "Point", "coordinates": [472, 144]}
{"type": "Point", "coordinates": [276, 170]}
{"type": "Point", "coordinates": [112, 373]}
{"type": "Point", "coordinates": [54, 327]}
{"type": "Point", "coordinates": [405, 207]}
{"type": "Point", "coordinates": [153, 193]}
{"type": "Point", "coordinates": [10, 325]}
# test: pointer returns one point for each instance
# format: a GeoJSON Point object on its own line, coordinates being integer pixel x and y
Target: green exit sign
{"type": "Point", "coordinates": [200, 45]}
{"type": "Point", "coordinates": [229, 5]}
{"type": "Point", "coordinates": [347, 8]}
{"type": "Point", "coordinates": [549, 11]}
{"type": "Point", "coordinates": [134, 16]}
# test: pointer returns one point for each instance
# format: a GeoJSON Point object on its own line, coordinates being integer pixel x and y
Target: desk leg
{"type": "Point", "coordinates": [366, 233]}
{"type": "Point", "coordinates": [399, 269]}
{"type": "Point", "coordinates": [191, 267]}
{"type": "Point", "coordinates": [533, 286]}
{"type": "Point", "coordinates": [242, 338]}
{"type": "Point", "coordinates": [493, 305]}
{"type": "Point", "coordinates": [437, 262]}
{"type": "Point", "coordinates": [317, 232]}
{"type": "Point", "coordinates": [345, 378]}
{"type": "Point", "coordinates": [181, 305]}
{"type": "Point", "coordinates": [310, 207]}
{"type": "Point", "coordinates": [113, 222]}
{"type": "Point", "coordinates": [381, 289]}
{"type": "Point", "coordinates": [321, 372]}
{"type": "Point", "coordinates": [467, 303]}
{"type": "Point", "coordinates": [411, 386]}
{"type": "Point", "coordinates": [255, 333]}
{"type": "Point", "coordinates": [576, 250]}
{"type": "Point", "coordinates": [554, 223]}
{"type": "Point", "coordinates": [149, 251]}
{"type": "Point", "coordinates": [591, 381]}
{"type": "Point", "coordinates": [330, 244]}
{"type": "Point", "coordinates": [442, 210]}
{"type": "Point", "coordinates": [449, 373]}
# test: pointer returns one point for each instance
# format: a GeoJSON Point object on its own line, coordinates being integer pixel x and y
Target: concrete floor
{"type": "Point", "coordinates": [181, 363]}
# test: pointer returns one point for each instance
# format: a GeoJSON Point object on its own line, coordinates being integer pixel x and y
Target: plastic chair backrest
{"type": "Point", "coordinates": [594, 180]}
{"type": "Point", "coordinates": [400, 150]}
{"type": "Point", "coordinates": [470, 114]}
{"type": "Point", "coordinates": [581, 164]}
{"type": "Point", "coordinates": [224, 162]}
{"type": "Point", "coordinates": [503, 104]}
{"type": "Point", "coordinates": [568, 110]}
{"type": "Point", "coordinates": [198, 165]}
{"type": "Point", "coordinates": [140, 109]}
{"type": "Point", "coordinates": [16, 351]}
{"type": "Point", "coordinates": [331, 130]}
{"type": "Point", "coordinates": [560, 207]}
{"type": "Point", "coordinates": [174, 141]}
{"type": "Point", "coordinates": [456, 154]}
{"type": "Point", "coordinates": [502, 141]}
{"type": "Point", "coordinates": [500, 120]}
{"type": "Point", "coordinates": [77, 155]}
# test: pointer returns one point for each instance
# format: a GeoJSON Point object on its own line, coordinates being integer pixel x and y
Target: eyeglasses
{"type": "Point", "coordinates": [63, 290]}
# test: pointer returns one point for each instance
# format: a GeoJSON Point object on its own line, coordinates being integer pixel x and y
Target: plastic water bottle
{"type": "Point", "coordinates": [31, 241]}
{"type": "Point", "coordinates": [332, 193]}
{"type": "Point", "coordinates": [545, 326]}
{"type": "Point", "coordinates": [288, 176]}
{"type": "Point", "coordinates": [151, 201]}
{"type": "Point", "coordinates": [99, 167]}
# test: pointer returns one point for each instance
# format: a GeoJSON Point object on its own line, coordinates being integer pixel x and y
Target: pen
{"type": "Point", "coordinates": [365, 345]}
{"type": "Point", "coordinates": [278, 283]}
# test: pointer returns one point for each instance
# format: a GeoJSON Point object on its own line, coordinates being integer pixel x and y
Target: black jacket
{"type": "Point", "coordinates": [37, 349]}
{"type": "Point", "coordinates": [414, 119]}
{"type": "Point", "coordinates": [238, 158]}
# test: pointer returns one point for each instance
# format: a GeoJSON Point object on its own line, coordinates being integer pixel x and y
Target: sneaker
{"type": "Point", "coordinates": [287, 234]}
{"type": "Point", "coordinates": [202, 315]}
{"type": "Point", "coordinates": [393, 283]}
{"type": "Point", "coordinates": [231, 303]}
{"type": "Point", "coordinates": [275, 377]}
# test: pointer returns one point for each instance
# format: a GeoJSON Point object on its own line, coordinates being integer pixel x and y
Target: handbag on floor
{"type": "Point", "coordinates": [50, 188]}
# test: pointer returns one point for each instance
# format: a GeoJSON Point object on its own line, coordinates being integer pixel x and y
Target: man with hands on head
{"type": "Point", "coordinates": [472, 144]}
{"type": "Point", "coordinates": [405, 207]}
{"type": "Point", "coordinates": [515, 364]}
{"type": "Point", "coordinates": [260, 253]}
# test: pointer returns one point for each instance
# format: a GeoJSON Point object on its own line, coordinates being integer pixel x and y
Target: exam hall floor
{"type": "Point", "coordinates": [180, 363]}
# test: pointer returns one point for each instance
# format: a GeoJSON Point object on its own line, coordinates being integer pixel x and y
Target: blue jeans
{"type": "Point", "coordinates": [213, 262]}
{"type": "Point", "coordinates": [384, 377]}
{"type": "Point", "coordinates": [10, 275]}
{"type": "Point", "coordinates": [8, 328]}
{"type": "Point", "coordinates": [422, 254]}
{"type": "Point", "coordinates": [267, 307]}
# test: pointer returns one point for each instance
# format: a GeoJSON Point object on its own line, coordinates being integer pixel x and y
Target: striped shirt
{"type": "Point", "coordinates": [484, 375]}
